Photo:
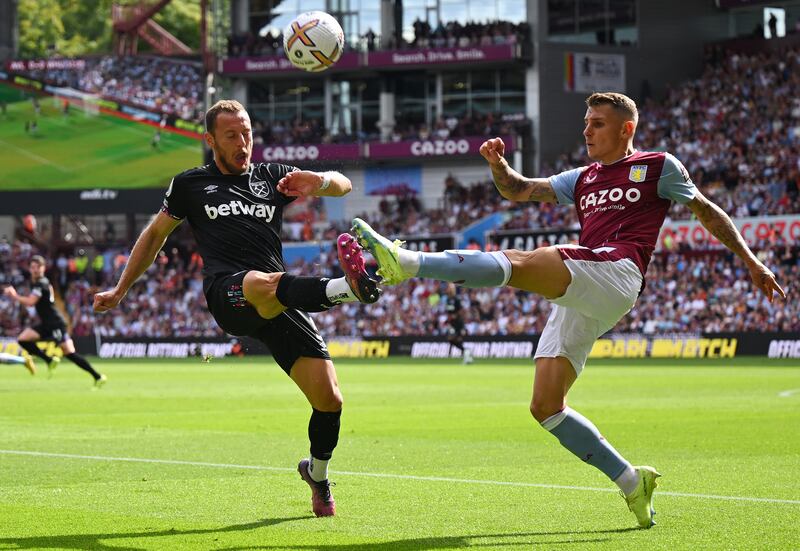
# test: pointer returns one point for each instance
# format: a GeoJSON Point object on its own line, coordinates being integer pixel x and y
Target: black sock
{"type": "Point", "coordinates": [458, 343]}
{"type": "Point", "coordinates": [81, 362]}
{"type": "Point", "coordinates": [33, 350]}
{"type": "Point", "coordinates": [323, 431]}
{"type": "Point", "coordinates": [303, 293]}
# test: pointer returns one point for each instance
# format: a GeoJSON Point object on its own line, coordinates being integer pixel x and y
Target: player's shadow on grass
{"type": "Point", "coordinates": [455, 542]}
{"type": "Point", "coordinates": [95, 543]}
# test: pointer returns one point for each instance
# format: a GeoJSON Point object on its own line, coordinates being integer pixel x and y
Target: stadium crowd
{"type": "Point", "coordinates": [444, 35]}
{"type": "Point", "coordinates": [686, 292]}
{"type": "Point", "coordinates": [312, 131]}
{"type": "Point", "coordinates": [743, 171]}
{"type": "Point", "coordinates": [736, 129]}
{"type": "Point", "coordinates": [173, 87]}
{"type": "Point", "coordinates": [740, 142]}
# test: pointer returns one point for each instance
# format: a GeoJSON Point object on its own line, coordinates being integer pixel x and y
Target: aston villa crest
{"type": "Point", "coordinates": [638, 173]}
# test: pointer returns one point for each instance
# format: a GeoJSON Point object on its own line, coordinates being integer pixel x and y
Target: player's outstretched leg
{"type": "Point", "coordinates": [33, 350]}
{"type": "Point", "coordinates": [26, 361]}
{"type": "Point", "coordinates": [351, 260]}
{"type": "Point", "coordinates": [640, 502]}
{"type": "Point", "coordinates": [30, 365]}
{"type": "Point", "coordinates": [464, 267]}
{"type": "Point", "coordinates": [386, 253]}
{"type": "Point", "coordinates": [322, 502]}
{"type": "Point", "coordinates": [52, 365]}
{"type": "Point", "coordinates": [100, 382]}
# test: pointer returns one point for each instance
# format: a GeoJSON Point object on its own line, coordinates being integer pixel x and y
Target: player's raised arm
{"type": "Point", "coordinates": [511, 184]}
{"type": "Point", "coordinates": [142, 256]}
{"type": "Point", "coordinates": [28, 301]}
{"type": "Point", "coordinates": [302, 183]}
{"type": "Point", "coordinates": [716, 221]}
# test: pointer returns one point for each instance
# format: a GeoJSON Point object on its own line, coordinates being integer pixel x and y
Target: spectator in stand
{"type": "Point", "coordinates": [302, 131]}
{"type": "Point", "coordinates": [446, 35]}
{"type": "Point", "coordinates": [168, 300]}
{"type": "Point", "coordinates": [171, 87]}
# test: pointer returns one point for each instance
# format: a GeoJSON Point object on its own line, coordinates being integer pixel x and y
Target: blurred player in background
{"type": "Point", "coordinates": [155, 141]}
{"type": "Point", "coordinates": [621, 200]}
{"type": "Point", "coordinates": [455, 322]}
{"type": "Point", "coordinates": [235, 209]}
{"type": "Point", "coordinates": [52, 326]}
{"type": "Point", "coordinates": [6, 358]}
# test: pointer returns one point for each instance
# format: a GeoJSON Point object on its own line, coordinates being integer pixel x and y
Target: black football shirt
{"type": "Point", "coordinates": [236, 219]}
{"type": "Point", "coordinates": [45, 306]}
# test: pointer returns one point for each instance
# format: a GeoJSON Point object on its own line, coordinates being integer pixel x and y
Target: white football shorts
{"type": "Point", "coordinates": [601, 292]}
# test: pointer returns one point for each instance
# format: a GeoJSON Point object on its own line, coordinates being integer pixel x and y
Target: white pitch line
{"type": "Point", "coordinates": [787, 393]}
{"type": "Point", "coordinates": [390, 475]}
{"type": "Point", "coordinates": [34, 156]}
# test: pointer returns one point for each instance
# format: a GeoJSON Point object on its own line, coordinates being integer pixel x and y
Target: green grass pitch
{"type": "Point", "coordinates": [432, 455]}
{"type": "Point", "coordinates": [85, 151]}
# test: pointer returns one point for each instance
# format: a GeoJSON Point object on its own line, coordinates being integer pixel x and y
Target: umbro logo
{"type": "Point", "coordinates": [210, 189]}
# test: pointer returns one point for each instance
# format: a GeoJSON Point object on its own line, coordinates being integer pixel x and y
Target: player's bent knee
{"type": "Point", "coordinates": [260, 285]}
{"type": "Point", "coordinates": [540, 271]}
{"type": "Point", "coordinates": [329, 401]}
{"type": "Point", "coordinates": [544, 408]}
{"type": "Point", "coordinates": [259, 290]}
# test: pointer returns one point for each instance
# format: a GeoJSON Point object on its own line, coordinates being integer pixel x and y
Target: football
{"type": "Point", "coordinates": [313, 41]}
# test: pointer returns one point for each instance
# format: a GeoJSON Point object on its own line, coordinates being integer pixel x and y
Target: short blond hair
{"type": "Point", "coordinates": [222, 106]}
{"type": "Point", "coordinates": [621, 103]}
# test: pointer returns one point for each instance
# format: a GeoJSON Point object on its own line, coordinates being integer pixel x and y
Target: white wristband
{"type": "Point", "coordinates": [326, 181]}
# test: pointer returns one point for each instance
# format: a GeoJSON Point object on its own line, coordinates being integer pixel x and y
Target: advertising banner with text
{"type": "Point", "coordinates": [451, 147]}
{"type": "Point", "coordinates": [290, 154]}
{"type": "Point", "coordinates": [416, 149]}
{"type": "Point", "coordinates": [382, 59]}
{"type": "Point", "coordinates": [530, 240]}
{"type": "Point", "coordinates": [438, 56]}
{"type": "Point", "coordinates": [755, 229]}
{"type": "Point", "coordinates": [279, 64]}
{"type": "Point", "coordinates": [706, 345]}
{"type": "Point", "coordinates": [430, 244]}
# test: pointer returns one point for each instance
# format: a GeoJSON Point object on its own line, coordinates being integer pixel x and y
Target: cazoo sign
{"type": "Point", "coordinates": [432, 147]}
{"type": "Point", "coordinates": [309, 152]}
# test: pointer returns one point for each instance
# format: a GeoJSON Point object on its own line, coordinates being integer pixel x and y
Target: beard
{"type": "Point", "coordinates": [230, 167]}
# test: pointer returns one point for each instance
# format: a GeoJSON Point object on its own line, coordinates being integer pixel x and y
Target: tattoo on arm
{"type": "Point", "coordinates": [721, 226]}
{"type": "Point", "coordinates": [512, 185]}
{"type": "Point", "coordinates": [505, 181]}
{"type": "Point", "coordinates": [542, 191]}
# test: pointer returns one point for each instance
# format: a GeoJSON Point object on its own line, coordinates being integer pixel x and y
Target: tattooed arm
{"type": "Point", "coordinates": [510, 183]}
{"type": "Point", "coordinates": [720, 225]}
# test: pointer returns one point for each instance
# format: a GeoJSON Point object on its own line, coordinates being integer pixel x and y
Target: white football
{"type": "Point", "coordinates": [313, 41]}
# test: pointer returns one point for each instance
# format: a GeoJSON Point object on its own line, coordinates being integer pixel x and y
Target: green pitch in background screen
{"type": "Point", "coordinates": [80, 150]}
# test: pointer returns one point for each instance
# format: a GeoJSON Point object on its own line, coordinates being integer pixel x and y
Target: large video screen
{"type": "Point", "coordinates": [47, 142]}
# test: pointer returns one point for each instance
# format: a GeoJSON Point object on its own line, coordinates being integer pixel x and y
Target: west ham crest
{"type": "Point", "coordinates": [259, 189]}
{"type": "Point", "coordinates": [638, 173]}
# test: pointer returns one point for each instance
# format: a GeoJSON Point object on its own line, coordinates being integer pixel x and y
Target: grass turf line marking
{"type": "Point", "coordinates": [34, 156]}
{"type": "Point", "coordinates": [787, 393]}
{"type": "Point", "coordinates": [389, 475]}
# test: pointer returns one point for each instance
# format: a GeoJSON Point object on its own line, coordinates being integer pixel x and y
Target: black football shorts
{"type": "Point", "coordinates": [52, 332]}
{"type": "Point", "coordinates": [288, 336]}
